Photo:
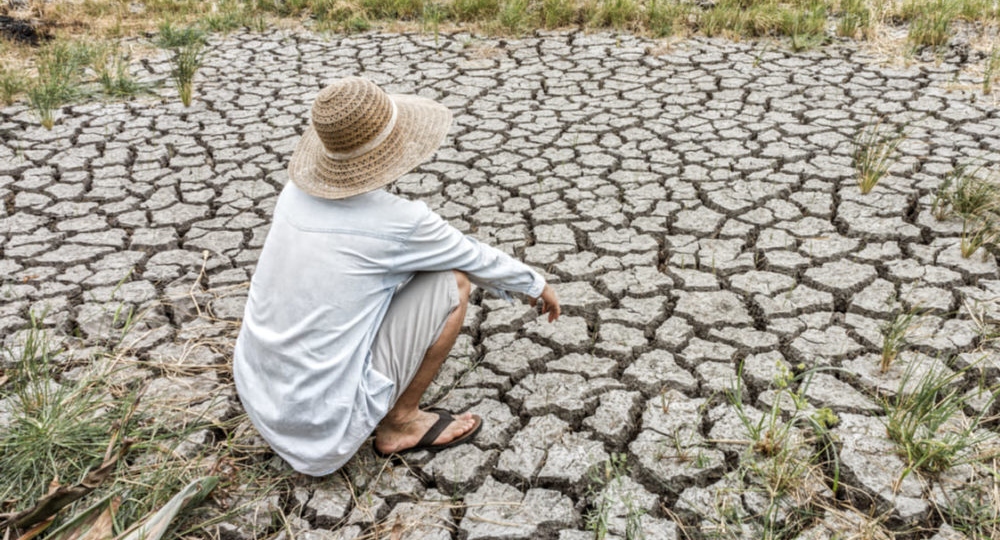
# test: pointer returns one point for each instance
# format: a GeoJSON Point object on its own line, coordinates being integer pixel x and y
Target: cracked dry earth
{"type": "Point", "coordinates": [695, 207]}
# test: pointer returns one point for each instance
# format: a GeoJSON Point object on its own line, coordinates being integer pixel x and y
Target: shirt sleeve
{"type": "Point", "coordinates": [435, 245]}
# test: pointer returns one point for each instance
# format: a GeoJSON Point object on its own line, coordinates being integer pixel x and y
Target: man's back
{"type": "Point", "coordinates": [326, 276]}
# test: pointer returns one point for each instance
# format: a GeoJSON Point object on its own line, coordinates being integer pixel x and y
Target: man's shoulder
{"type": "Point", "coordinates": [398, 201]}
{"type": "Point", "coordinates": [377, 209]}
{"type": "Point", "coordinates": [397, 208]}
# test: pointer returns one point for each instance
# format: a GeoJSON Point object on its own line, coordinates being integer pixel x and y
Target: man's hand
{"type": "Point", "coordinates": [550, 302]}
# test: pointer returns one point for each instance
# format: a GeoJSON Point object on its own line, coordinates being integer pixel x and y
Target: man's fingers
{"type": "Point", "coordinates": [552, 310]}
{"type": "Point", "coordinates": [550, 303]}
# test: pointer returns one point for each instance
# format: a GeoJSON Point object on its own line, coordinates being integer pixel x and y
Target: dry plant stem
{"type": "Point", "coordinates": [197, 283]}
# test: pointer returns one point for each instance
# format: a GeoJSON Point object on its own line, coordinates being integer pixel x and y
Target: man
{"type": "Point", "coordinates": [359, 295]}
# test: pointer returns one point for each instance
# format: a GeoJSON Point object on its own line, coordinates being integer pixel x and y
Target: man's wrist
{"type": "Point", "coordinates": [537, 287]}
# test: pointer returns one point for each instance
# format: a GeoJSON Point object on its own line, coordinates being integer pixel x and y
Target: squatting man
{"type": "Point", "coordinates": [359, 294]}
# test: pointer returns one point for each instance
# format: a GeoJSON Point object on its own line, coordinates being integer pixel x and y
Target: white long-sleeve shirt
{"type": "Point", "coordinates": [326, 276]}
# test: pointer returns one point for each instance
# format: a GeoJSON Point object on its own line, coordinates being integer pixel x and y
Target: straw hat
{"type": "Point", "coordinates": [362, 139]}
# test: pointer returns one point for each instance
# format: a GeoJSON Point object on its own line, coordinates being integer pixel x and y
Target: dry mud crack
{"type": "Point", "coordinates": [698, 211]}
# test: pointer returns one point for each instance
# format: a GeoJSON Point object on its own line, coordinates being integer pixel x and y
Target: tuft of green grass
{"type": "Point", "coordinates": [558, 13]}
{"type": "Point", "coordinates": [873, 153]}
{"type": "Point", "coordinates": [186, 60]}
{"type": "Point", "coordinates": [515, 16]}
{"type": "Point", "coordinates": [971, 196]}
{"type": "Point", "coordinates": [356, 23]}
{"type": "Point", "coordinates": [289, 8]}
{"type": "Point", "coordinates": [733, 18]}
{"type": "Point", "coordinates": [930, 21]}
{"type": "Point", "coordinates": [855, 19]}
{"type": "Point", "coordinates": [605, 496]}
{"type": "Point", "coordinates": [786, 451]}
{"type": "Point", "coordinates": [665, 18]}
{"type": "Point", "coordinates": [967, 193]}
{"type": "Point", "coordinates": [60, 69]}
{"type": "Point", "coordinates": [894, 334]}
{"type": "Point", "coordinates": [976, 233]}
{"type": "Point", "coordinates": [978, 10]}
{"type": "Point", "coordinates": [59, 424]}
{"type": "Point", "coordinates": [114, 76]}
{"type": "Point", "coordinates": [179, 38]}
{"type": "Point", "coordinates": [223, 22]}
{"type": "Point", "coordinates": [924, 418]}
{"type": "Point", "coordinates": [941, 205]}
{"type": "Point", "coordinates": [431, 19]}
{"type": "Point", "coordinates": [43, 98]}
{"type": "Point", "coordinates": [63, 76]}
{"type": "Point", "coordinates": [806, 25]}
{"type": "Point", "coordinates": [64, 60]}
{"type": "Point", "coordinates": [975, 509]}
{"type": "Point", "coordinates": [230, 15]}
{"type": "Point", "coordinates": [474, 10]}
{"type": "Point", "coordinates": [57, 430]}
{"type": "Point", "coordinates": [618, 14]}
{"type": "Point", "coordinates": [257, 23]}
{"type": "Point", "coordinates": [393, 9]}
{"type": "Point", "coordinates": [334, 16]}
{"type": "Point", "coordinates": [12, 84]}
{"type": "Point", "coordinates": [803, 21]}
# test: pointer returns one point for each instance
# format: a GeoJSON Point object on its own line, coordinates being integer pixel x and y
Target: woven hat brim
{"type": "Point", "coordinates": [421, 126]}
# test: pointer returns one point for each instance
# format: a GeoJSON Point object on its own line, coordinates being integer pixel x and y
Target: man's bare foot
{"type": "Point", "coordinates": [396, 437]}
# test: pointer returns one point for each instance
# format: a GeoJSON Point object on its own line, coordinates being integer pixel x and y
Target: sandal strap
{"type": "Point", "coordinates": [444, 420]}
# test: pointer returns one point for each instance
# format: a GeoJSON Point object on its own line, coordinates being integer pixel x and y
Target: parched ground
{"type": "Point", "coordinates": [696, 206]}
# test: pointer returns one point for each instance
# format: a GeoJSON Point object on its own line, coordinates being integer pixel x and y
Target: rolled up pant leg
{"type": "Point", "coordinates": [413, 322]}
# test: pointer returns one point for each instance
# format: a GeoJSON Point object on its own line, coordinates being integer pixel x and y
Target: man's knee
{"type": "Point", "coordinates": [464, 286]}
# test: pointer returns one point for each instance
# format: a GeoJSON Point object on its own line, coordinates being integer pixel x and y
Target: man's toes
{"type": "Point", "coordinates": [460, 426]}
{"type": "Point", "coordinates": [467, 423]}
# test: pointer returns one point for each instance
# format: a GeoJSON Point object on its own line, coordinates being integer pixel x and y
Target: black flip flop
{"type": "Point", "coordinates": [426, 442]}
